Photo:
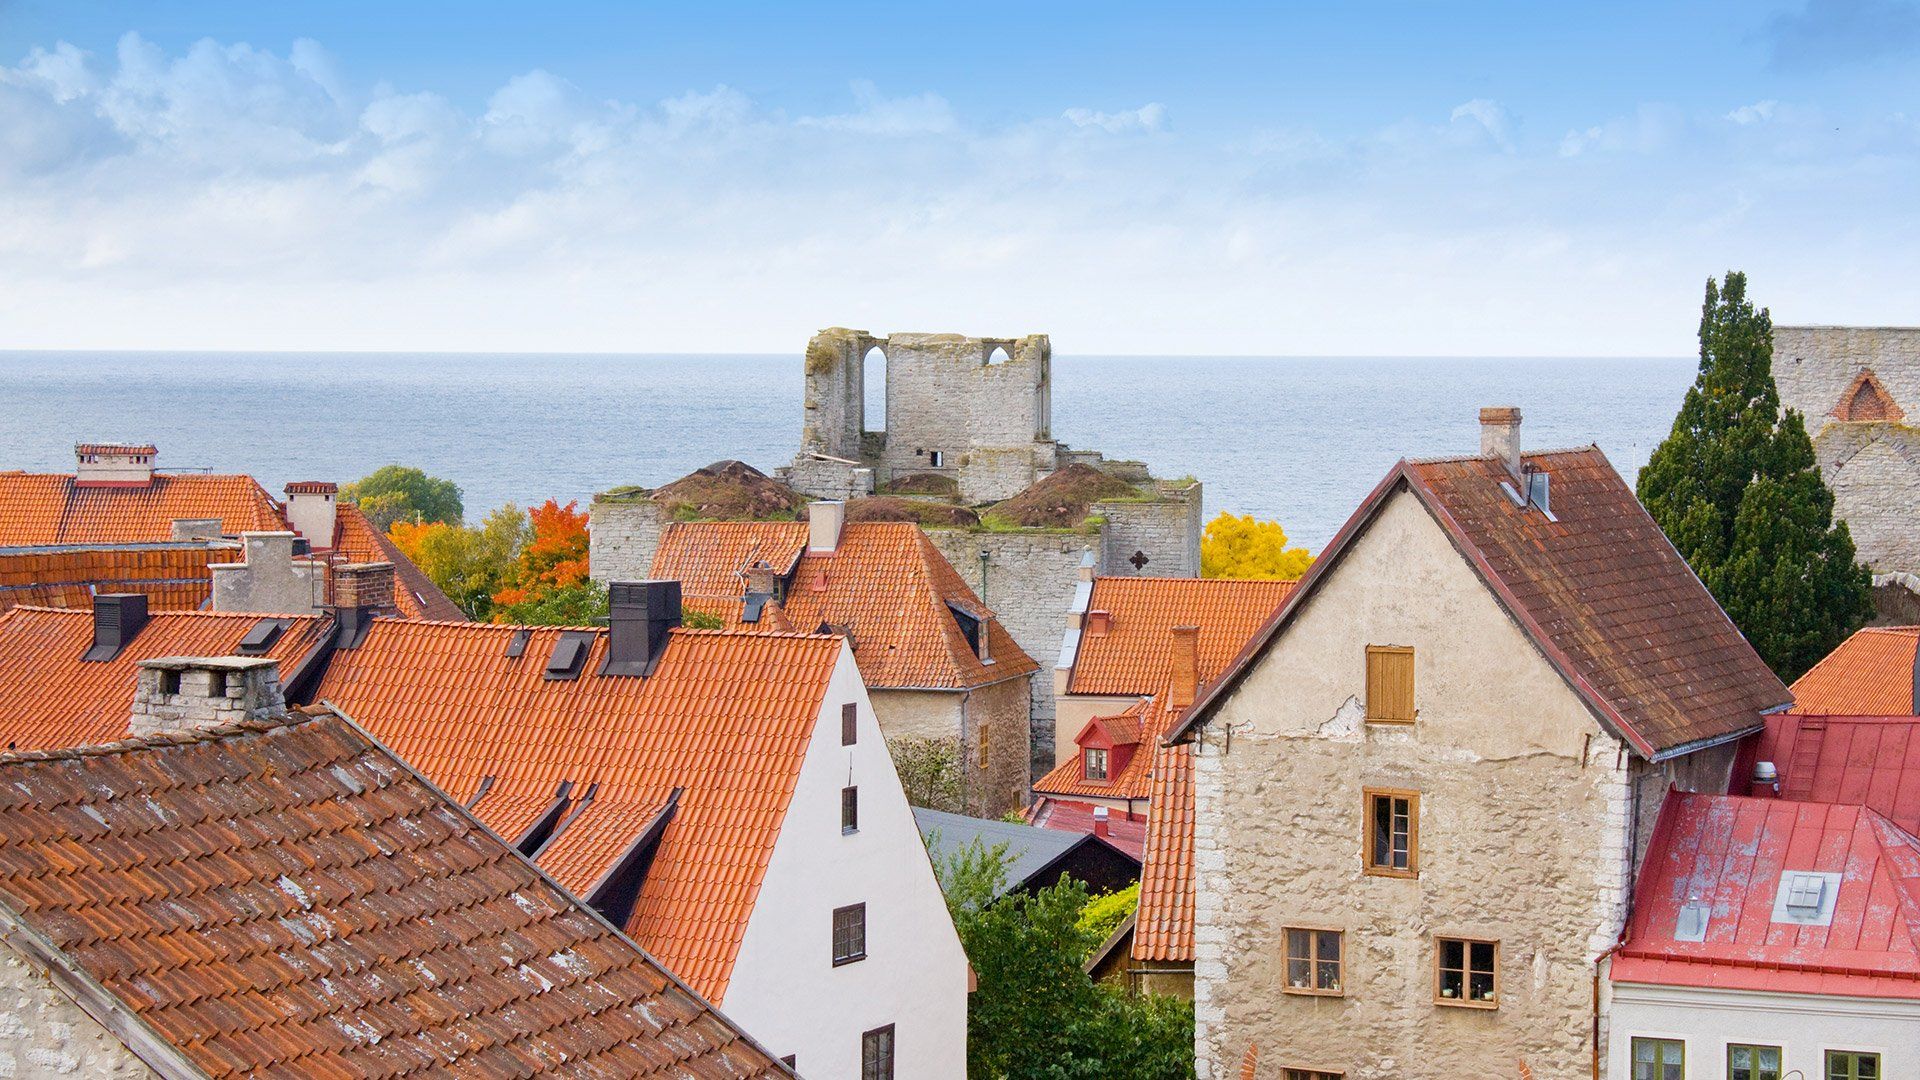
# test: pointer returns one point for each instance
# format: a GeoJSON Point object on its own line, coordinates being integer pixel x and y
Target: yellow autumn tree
{"type": "Point", "coordinates": [1246, 547]}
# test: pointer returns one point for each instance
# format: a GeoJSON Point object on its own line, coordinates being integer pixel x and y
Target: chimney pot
{"type": "Point", "coordinates": [1500, 435]}
{"type": "Point", "coordinates": [640, 617]}
{"type": "Point", "coordinates": [825, 519]}
{"type": "Point", "coordinates": [184, 694]}
{"type": "Point", "coordinates": [113, 464]}
{"type": "Point", "coordinates": [1100, 826]}
{"type": "Point", "coordinates": [1183, 667]}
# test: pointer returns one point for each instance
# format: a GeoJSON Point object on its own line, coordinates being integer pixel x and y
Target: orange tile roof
{"type": "Point", "coordinates": [1146, 723]}
{"type": "Point", "coordinates": [414, 593]}
{"type": "Point", "coordinates": [1597, 588]}
{"type": "Point", "coordinates": [48, 508]}
{"type": "Point", "coordinates": [50, 698]}
{"type": "Point", "coordinates": [886, 583]}
{"type": "Point", "coordinates": [1131, 656]}
{"type": "Point", "coordinates": [726, 717]}
{"type": "Point", "coordinates": [1163, 921]}
{"type": "Point", "coordinates": [290, 900]}
{"type": "Point", "coordinates": [173, 577]}
{"type": "Point", "coordinates": [1869, 674]}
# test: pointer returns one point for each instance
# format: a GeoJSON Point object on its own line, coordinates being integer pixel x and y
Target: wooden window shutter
{"type": "Point", "coordinates": [1390, 683]}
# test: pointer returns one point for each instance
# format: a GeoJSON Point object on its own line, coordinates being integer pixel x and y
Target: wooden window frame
{"type": "Point", "coordinates": [860, 952]}
{"type": "Point", "coordinates": [849, 809]}
{"type": "Point", "coordinates": [849, 724]}
{"type": "Point", "coordinates": [1633, 1059]}
{"type": "Point", "coordinates": [1780, 1051]}
{"type": "Point", "coordinates": [1086, 763]}
{"type": "Point", "coordinates": [1374, 715]}
{"type": "Point", "coordinates": [1368, 863]}
{"type": "Point", "coordinates": [1313, 960]}
{"type": "Point", "coordinates": [875, 1071]}
{"type": "Point", "coordinates": [1466, 973]}
{"type": "Point", "coordinates": [983, 746]}
{"type": "Point", "coordinates": [1827, 1056]}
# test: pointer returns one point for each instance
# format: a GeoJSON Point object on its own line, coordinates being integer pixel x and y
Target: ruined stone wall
{"type": "Point", "coordinates": [991, 475]}
{"type": "Point", "coordinates": [944, 396]}
{"type": "Point", "coordinates": [1873, 468]}
{"type": "Point", "coordinates": [623, 534]}
{"type": "Point", "coordinates": [835, 406]}
{"type": "Point", "coordinates": [825, 479]}
{"type": "Point", "coordinates": [1523, 832]}
{"type": "Point", "coordinates": [1028, 582]}
{"type": "Point", "coordinates": [44, 1034]}
{"type": "Point", "coordinates": [1166, 532]}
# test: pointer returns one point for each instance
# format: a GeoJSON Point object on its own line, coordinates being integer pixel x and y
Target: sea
{"type": "Point", "coordinates": [1299, 440]}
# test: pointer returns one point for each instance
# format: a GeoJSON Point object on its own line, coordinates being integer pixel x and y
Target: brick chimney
{"type": "Point", "coordinates": [825, 519]}
{"type": "Point", "coordinates": [640, 616]}
{"type": "Point", "coordinates": [1183, 667]}
{"type": "Point", "coordinates": [1500, 436]}
{"type": "Point", "coordinates": [113, 464]}
{"type": "Point", "coordinates": [310, 510]}
{"type": "Point", "coordinates": [181, 694]}
{"type": "Point", "coordinates": [360, 591]}
{"type": "Point", "coordinates": [1099, 622]}
{"type": "Point", "coordinates": [1100, 826]}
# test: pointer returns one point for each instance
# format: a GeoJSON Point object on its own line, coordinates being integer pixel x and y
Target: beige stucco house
{"type": "Point", "coordinates": [1421, 791]}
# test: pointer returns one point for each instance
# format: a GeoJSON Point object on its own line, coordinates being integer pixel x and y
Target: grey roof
{"type": "Point", "coordinates": [1030, 848]}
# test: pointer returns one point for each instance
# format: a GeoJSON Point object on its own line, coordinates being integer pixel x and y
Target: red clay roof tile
{"type": "Point", "coordinates": [1130, 657]}
{"type": "Point", "coordinates": [172, 576]}
{"type": "Point", "coordinates": [291, 900]}
{"type": "Point", "coordinates": [1163, 921]}
{"type": "Point", "coordinates": [1869, 674]}
{"type": "Point", "coordinates": [48, 508]}
{"type": "Point", "coordinates": [414, 594]}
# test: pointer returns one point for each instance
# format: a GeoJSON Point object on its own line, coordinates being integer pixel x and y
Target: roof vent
{"type": "Point", "coordinates": [117, 619]}
{"type": "Point", "coordinates": [569, 655]}
{"type": "Point", "coordinates": [262, 636]}
{"type": "Point", "coordinates": [517, 644]}
{"type": "Point", "coordinates": [1806, 898]}
{"type": "Point", "coordinates": [1766, 778]}
{"type": "Point", "coordinates": [1692, 924]}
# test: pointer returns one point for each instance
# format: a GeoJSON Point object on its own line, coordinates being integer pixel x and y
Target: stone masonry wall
{"type": "Point", "coordinates": [43, 1034]}
{"type": "Point", "coordinates": [1167, 532]}
{"type": "Point", "coordinates": [999, 710]}
{"type": "Point", "coordinates": [1874, 468]}
{"type": "Point", "coordinates": [1028, 582]}
{"type": "Point", "coordinates": [623, 535]}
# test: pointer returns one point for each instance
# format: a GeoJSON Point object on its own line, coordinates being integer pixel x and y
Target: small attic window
{"type": "Point", "coordinates": [1806, 898]}
{"type": "Point", "coordinates": [261, 637]}
{"type": "Point", "coordinates": [935, 459]}
{"type": "Point", "coordinates": [970, 628]}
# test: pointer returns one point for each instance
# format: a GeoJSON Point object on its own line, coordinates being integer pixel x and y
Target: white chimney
{"type": "Point", "coordinates": [1100, 826]}
{"type": "Point", "coordinates": [113, 464]}
{"type": "Point", "coordinates": [1500, 436]}
{"type": "Point", "coordinates": [183, 694]}
{"type": "Point", "coordinates": [824, 522]}
{"type": "Point", "coordinates": [268, 578]}
{"type": "Point", "coordinates": [196, 528]}
{"type": "Point", "coordinates": [310, 510]}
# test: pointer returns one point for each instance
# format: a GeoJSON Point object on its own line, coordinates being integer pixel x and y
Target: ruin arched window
{"type": "Point", "coordinates": [997, 355]}
{"type": "Point", "coordinates": [1867, 400]}
{"type": "Point", "coordinates": [873, 373]}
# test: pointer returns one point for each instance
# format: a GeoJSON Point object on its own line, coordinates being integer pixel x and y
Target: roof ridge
{"type": "Point", "coordinates": [1551, 451]}
{"type": "Point", "coordinates": [185, 737]}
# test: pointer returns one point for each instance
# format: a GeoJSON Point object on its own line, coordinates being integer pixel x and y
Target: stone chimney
{"type": "Point", "coordinates": [761, 580]}
{"type": "Point", "coordinates": [824, 522]}
{"type": "Point", "coordinates": [310, 510]}
{"type": "Point", "coordinates": [268, 579]}
{"type": "Point", "coordinates": [1183, 667]}
{"type": "Point", "coordinates": [640, 616]}
{"type": "Point", "coordinates": [1500, 436]}
{"type": "Point", "coordinates": [113, 464]}
{"type": "Point", "coordinates": [183, 694]}
{"type": "Point", "coordinates": [1100, 826]}
{"type": "Point", "coordinates": [197, 528]}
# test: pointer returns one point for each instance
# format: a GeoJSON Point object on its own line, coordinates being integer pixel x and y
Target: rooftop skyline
{"type": "Point", "coordinates": [1341, 180]}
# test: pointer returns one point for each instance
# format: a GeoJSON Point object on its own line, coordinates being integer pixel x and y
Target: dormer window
{"type": "Point", "coordinates": [1095, 762]}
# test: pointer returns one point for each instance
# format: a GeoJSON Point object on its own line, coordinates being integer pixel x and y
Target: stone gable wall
{"type": "Point", "coordinates": [1167, 531]}
{"type": "Point", "coordinates": [43, 1034]}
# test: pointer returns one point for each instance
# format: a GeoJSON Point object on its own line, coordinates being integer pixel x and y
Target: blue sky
{"type": "Point", "coordinates": [1335, 178]}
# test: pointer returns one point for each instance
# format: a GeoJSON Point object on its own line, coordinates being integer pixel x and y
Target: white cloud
{"type": "Point", "coordinates": [1149, 117]}
{"type": "Point", "coordinates": [1488, 116]}
{"type": "Point", "coordinates": [1757, 113]}
{"type": "Point", "coordinates": [877, 114]}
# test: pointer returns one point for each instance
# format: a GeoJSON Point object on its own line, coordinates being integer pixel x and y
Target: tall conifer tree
{"type": "Point", "coordinates": [1737, 489]}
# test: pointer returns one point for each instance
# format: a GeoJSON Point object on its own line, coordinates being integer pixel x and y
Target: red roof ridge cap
{"type": "Point", "coordinates": [178, 737]}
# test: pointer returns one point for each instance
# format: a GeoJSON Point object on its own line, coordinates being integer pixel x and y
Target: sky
{"type": "Point", "coordinates": [1359, 178]}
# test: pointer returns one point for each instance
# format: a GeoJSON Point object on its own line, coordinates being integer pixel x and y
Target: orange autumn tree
{"type": "Point", "coordinates": [550, 584]}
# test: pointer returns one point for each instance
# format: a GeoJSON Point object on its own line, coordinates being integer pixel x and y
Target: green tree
{"type": "Point", "coordinates": [469, 564]}
{"type": "Point", "coordinates": [393, 493]}
{"type": "Point", "coordinates": [1036, 1014]}
{"type": "Point", "coordinates": [931, 772]}
{"type": "Point", "coordinates": [581, 604]}
{"type": "Point", "coordinates": [1738, 491]}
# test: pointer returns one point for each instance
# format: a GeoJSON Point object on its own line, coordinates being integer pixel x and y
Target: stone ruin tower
{"type": "Point", "coordinates": [1855, 386]}
{"type": "Point", "coordinates": [978, 411]}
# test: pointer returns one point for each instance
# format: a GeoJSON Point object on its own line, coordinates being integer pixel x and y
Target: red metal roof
{"type": "Point", "coordinates": [1869, 674]}
{"type": "Point", "coordinates": [1729, 853]}
{"type": "Point", "coordinates": [290, 900]}
{"type": "Point", "coordinates": [1872, 761]}
{"type": "Point", "coordinates": [1070, 815]}
{"type": "Point", "coordinates": [1130, 656]}
{"type": "Point", "coordinates": [51, 699]}
{"type": "Point", "coordinates": [885, 582]}
{"type": "Point", "coordinates": [726, 717]}
{"type": "Point", "coordinates": [1597, 587]}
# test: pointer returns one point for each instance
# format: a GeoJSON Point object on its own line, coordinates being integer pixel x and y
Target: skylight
{"type": "Point", "coordinates": [1806, 898]}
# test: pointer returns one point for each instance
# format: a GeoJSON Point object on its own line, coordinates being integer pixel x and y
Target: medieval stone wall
{"type": "Point", "coordinates": [960, 719]}
{"type": "Point", "coordinates": [623, 535]}
{"type": "Point", "coordinates": [1874, 466]}
{"type": "Point", "coordinates": [1161, 537]}
{"type": "Point", "coordinates": [44, 1034]}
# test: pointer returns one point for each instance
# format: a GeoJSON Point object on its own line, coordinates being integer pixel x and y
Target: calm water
{"type": "Point", "coordinates": [1297, 439]}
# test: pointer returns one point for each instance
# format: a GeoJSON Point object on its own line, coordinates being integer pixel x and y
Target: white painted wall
{"type": "Point", "coordinates": [1804, 1026]}
{"type": "Point", "coordinates": [785, 989]}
